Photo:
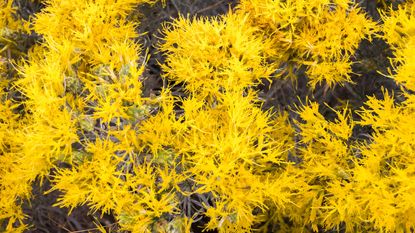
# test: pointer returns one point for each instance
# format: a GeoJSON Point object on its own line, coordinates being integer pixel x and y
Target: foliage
{"type": "Point", "coordinates": [72, 111]}
{"type": "Point", "coordinates": [321, 35]}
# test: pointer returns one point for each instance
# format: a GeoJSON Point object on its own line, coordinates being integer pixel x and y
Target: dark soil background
{"type": "Point", "coordinates": [280, 95]}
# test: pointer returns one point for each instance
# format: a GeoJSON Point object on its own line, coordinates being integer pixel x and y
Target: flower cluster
{"type": "Point", "coordinates": [72, 112]}
{"type": "Point", "coordinates": [320, 35]}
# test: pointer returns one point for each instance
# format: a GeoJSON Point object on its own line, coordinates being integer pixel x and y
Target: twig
{"type": "Point", "coordinates": [209, 7]}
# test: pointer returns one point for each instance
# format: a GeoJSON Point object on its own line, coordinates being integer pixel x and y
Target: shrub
{"type": "Point", "coordinates": [73, 113]}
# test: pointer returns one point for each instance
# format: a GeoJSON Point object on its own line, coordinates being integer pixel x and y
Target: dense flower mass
{"type": "Point", "coordinates": [73, 113]}
{"type": "Point", "coordinates": [321, 35]}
